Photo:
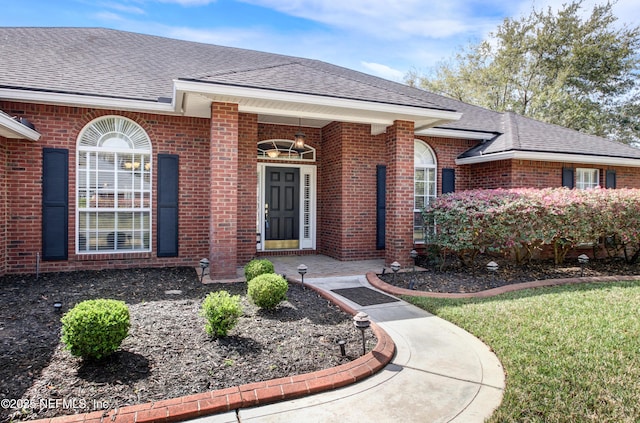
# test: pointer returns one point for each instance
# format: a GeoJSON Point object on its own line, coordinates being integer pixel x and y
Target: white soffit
{"type": "Point", "coordinates": [198, 97]}
{"type": "Point", "coordinates": [10, 128]}
{"type": "Point", "coordinates": [550, 157]}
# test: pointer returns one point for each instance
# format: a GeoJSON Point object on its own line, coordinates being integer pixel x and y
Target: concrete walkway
{"type": "Point", "coordinates": [440, 373]}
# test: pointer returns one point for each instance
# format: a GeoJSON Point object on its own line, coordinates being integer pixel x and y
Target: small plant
{"type": "Point", "coordinates": [257, 267]}
{"type": "Point", "coordinates": [268, 290]}
{"type": "Point", "coordinates": [221, 311]}
{"type": "Point", "coordinates": [93, 329]}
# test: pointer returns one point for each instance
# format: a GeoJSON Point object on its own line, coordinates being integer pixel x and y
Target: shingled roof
{"type": "Point", "coordinates": [106, 63]}
{"type": "Point", "coordinates": [111, 63]}
{"type": "Point", "coordinates": [524, 135]}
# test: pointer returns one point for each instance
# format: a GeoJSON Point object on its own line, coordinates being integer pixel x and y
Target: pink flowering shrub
{"type": "Point", "coordinates": [518, 221]}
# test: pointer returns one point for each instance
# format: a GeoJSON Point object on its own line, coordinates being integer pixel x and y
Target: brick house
{"type": "Point", "coordinates": [127, 150]}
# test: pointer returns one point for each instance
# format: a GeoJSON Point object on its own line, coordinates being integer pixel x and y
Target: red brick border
{"type": "Point", "coordinates": [375, 281]}
{"type": "Point", "coordinates": [249, 395]}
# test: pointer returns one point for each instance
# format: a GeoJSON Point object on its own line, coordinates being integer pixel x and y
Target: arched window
{"type": "Point", "coordinates": [113, 189]}
{"type": "Point", "coordinates": [425, 186]}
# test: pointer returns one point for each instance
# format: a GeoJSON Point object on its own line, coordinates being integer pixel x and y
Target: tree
{"type": "Point", "coordinates": [561, 68]}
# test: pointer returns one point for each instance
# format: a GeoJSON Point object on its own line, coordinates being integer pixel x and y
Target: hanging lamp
{"type": "Point", "coordinates": [299, 138]}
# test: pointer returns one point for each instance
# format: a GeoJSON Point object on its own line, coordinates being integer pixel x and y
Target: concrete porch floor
{"type": "Point", "coordinates": [318, 266]}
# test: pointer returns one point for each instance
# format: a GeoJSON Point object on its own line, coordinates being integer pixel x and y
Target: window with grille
{"type": "Point", "coordinates": [113, 189]}
{"type": "Point", "coordinates": [425, 186]}
{"type": "Point", "coordinates": [587, 178]}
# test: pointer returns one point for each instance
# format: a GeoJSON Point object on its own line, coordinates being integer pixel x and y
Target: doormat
{"type": "Point", "coordinates": [364, 296]}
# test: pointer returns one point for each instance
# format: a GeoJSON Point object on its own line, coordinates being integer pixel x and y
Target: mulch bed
{"type": "Point", "coordinates": [167, 353]}
{"type": "Point", "coordinates": [454, 277]}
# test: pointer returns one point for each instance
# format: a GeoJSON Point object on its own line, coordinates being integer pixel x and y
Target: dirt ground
{"type": "Point", "coordinates": [167, 353]}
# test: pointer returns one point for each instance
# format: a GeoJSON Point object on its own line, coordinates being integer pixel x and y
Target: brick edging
{"type": "Point", "coordinates": [252, 394]}
{"type": "Point", "coordinates": [375, 281]}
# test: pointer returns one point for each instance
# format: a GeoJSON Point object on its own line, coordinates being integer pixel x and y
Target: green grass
{"type": "Point", "coordinates": [570, 353]}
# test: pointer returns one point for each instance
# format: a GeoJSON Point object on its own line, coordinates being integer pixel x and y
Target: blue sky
{"type": "Point", "coordinates": [386, 38]}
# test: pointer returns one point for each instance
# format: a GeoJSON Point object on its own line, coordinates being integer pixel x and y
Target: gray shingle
{"type": "Point", "coordinates": [110, 63]}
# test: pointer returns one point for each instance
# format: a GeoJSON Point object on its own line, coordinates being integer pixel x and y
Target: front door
{"type": "Point", "coordinates": [282, 215]}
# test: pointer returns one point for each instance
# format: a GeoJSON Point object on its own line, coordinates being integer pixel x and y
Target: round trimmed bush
{"type": "Point", "coordinates": [222, 311]}
{"type": "Point", "coordinates": [257, 267]}
{"type": "Point", "coordinates": [267, 290]}
{"type": "Point", "coordinates": [93, 329]}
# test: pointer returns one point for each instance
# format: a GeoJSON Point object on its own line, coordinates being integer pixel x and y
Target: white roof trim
{"type": "Point", "coordinates": [10, 128]}
{"type": "Point", "coordinates": [551, 157]}
{"type": "Point", "coordinates": [452, 133]}
{"type": "Point", "coordinates": [285, 103]}
{"type": "Point", "coordinates": [86, 101]}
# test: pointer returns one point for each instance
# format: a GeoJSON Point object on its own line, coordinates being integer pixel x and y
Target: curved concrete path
{"type": "Point", "coordinates": [440, 373]}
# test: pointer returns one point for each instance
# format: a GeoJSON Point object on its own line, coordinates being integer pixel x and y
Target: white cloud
{"type": "Point", "coordinates": [234, 37]}
{"type": "Point", "coordinates": [108, 16]}
{"type": "Point", "coordinates": [384, 71]}
{"type": "Point", "coordinates": [189, 3]}
{"type": "Point", "coordinates": [384, 19]}
{"type": "Point", "coordinates": [124, 8]}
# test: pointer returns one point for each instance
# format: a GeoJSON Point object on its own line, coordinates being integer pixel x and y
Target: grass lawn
{"type": "Point", "coordinates": [570, 353]}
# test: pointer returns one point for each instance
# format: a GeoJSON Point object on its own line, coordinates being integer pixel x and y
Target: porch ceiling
{"type": "Point", "coordinates": [314, 111]}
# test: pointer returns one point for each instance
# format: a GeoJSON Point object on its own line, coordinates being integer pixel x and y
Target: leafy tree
{"type": "Point", "coordinates": [560, 68]}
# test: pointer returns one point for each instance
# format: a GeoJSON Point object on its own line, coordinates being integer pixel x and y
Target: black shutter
{"type": "Point", "coordinates": [610, 181]}
{"type": "Point", "coordinates": [55, 203]}
{"type": "Point", "coordinates": [567, 177]}
{"type": "Point", "coordinates": [381, 205]}
{"type": "Point", "coordinates": [167, 237]}
{"type": "Point", "coordinates": [448, 180]}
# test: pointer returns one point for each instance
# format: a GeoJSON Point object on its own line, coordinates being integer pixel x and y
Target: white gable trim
{"type": "Point", "coordinates": [281, 103]}
{"type": "Point", "coordinates": [10, 128]}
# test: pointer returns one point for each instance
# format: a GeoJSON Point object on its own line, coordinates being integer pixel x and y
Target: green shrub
{"type": "Point", "coordinates": [258, 267]}
{"type": "Point", "coordinates": [221, 311]}
{"type": "Point", "coordinates": [93, 329]}
{"type": "Point", "coordinates": [268, 290]}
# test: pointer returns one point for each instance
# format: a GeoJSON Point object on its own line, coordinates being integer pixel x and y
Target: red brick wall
{"type": "Point", "coordinates": [347, 200]}
{"type": "Point", "coordinates": [3, 205]}
{"type": "Point", "coordinates": [536, 174]}
{"type": "Point", "coordinates": [330, 195]}
{"type": "Point", "coordinates": [247, 187]}
{"type": "Point", "coordinates": [223, 162]}
{"type": "Point", "coordinates": [400, 181]}
{"type": "Point", "coordinates": [361, 153]}
{"type": "Point", "coordinates": [626, 177]}
{"type": "Point", "coordinates": [489, 175]}
{"type": "Point", "coordinates": [59, 127]}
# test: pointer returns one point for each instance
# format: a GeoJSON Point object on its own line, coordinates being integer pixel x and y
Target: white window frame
{"type": "Point", "coordinates": [425, 160]}
{"type": "Point", "coordinates": [113, 184]}
{"type": "Point", "coordinates": [587, 178]}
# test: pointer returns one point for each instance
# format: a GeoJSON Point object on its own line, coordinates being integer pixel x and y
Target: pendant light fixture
{"type": "Point", "coordinates": [299, 138]}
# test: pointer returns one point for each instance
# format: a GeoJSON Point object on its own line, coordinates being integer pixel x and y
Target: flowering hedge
{"type": "Point", "coordinates": [522, 220]}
